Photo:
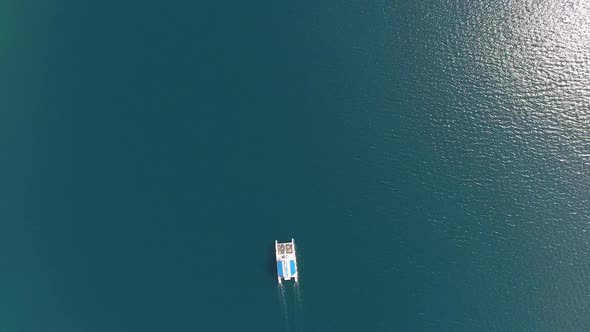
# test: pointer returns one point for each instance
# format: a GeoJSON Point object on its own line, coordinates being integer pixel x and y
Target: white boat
{"type": "Point", "coordinates": [286, 261]}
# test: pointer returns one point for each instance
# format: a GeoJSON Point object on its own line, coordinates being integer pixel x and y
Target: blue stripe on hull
{"type": "Point", "coordinates": [280, 268]}
{"type": "Point", "coordinates": [293, 269]}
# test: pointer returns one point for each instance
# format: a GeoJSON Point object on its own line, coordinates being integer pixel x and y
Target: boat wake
{"type": "Point", "coordinates": [282, 297]}
{"type": "Point", "coordinates": [298, 296]}
{"type": "Point", "coordinates": [291, 306]}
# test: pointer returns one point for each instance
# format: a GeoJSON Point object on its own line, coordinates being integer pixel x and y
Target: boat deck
{"type": "Point", "coordinates": [286, 261]}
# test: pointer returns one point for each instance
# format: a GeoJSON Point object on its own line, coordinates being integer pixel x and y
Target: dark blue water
{"type": "Point", "coordinates": [430, 159]}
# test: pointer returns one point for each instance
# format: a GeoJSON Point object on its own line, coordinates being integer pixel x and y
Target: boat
{"type": "Point", "coordinates": [286, 261]}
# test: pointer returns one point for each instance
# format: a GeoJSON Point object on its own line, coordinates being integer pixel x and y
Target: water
{"type": "Point", "coordinates": [430, 159]}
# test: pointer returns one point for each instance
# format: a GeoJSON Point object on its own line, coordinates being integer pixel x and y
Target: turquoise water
{"type": "Point", "coordinates": [430, 159]}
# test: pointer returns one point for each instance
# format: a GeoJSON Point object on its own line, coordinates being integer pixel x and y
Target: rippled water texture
{"type": "Point", "coordinates": [500, 111]}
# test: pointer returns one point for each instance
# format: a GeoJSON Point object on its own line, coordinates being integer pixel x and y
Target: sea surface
{"type": "Point", "coordinates": [431, 159]}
